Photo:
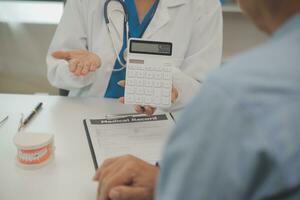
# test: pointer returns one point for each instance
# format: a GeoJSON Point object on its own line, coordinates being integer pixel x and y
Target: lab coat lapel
{"type": "Point", "coordinates": [162, 17]}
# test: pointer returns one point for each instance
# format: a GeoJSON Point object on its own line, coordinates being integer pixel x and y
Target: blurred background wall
{"type": "Point", "coordinates": [24, 42]}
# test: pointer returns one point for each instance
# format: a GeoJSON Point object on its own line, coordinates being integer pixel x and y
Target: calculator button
{"type": "Point", "coordinates": [158, 75]}
{"type": "Point", "coordinates": [148, 83]}
{"type": "Point", "coordinates": [131, 82]}
{"type": "Point", "coordinates": [165, 101]}
{"type": "Point", "coordinates": [145, 74]}
{"type": "Point", "coordinates": [148, 91]}
{"type": "Point", "coordinates": [147, 68]}
{"type": "Point", "coordinates": [139, 99]}
{"type": "Point", "coordinates": [140, 90]}
{"type": "Point", "coordinates": [130, 90]}
{"type": "Point", "coordinates": [157, 92]}
{"type": "Point", "coordinates": [148, 99]}
{"type": "Point", "coordinates": [157, 84]}
{"type": "Point", "coordinates": [138, 67]}
{"type": "Point", "coordinates": [141, 67]}
{"type": "Point", "coordinates": [140, 74]}
{"type": "Point", "coordinates": [156, 100]}
{"type": "Point", "coordinates": [151, 68]}
{"type": "Point", "coordinates": [139, 82]}
{"type": "Point", "coordinates": [130, 99]}
{"type": "Point", "coordinates": [156, 69]}
{"type": "Point", "coordinates": [166, 92]}
{"type": "Point", "coordinates": [131, 73]}
{"type": "Point", "coordinates": [132, 67]}
{"type": "Point", "coordinates": [166, 84]}
{"type": "Point", "coordinates": [149, 75]}
{"type": "Point", "coordinates": [167, 76]}
{"type": "Point", "coordinates": [167, 64]}
{"type": "Point", "coordinates": [167, 69]}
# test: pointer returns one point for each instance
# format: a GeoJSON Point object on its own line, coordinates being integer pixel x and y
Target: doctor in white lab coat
{"type": "Point", "coordinates": [81, 56]}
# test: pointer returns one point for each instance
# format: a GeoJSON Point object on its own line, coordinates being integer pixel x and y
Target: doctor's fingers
{"type": "Point", "coordinates": [122, 84]}
{"type": "Point", "coordinates": [78, 69]}
{"type": "Point", "coordinates": [95, 64]}
{"type": "Point", "coordinates": [148, 110]}
{"type": "Point", "coordinates": [122, 100]}
{"type": "Point", "coordinates": [93, 67]}
{"type": "Point", "coordinates": [73, 65]}
{"type": "Point", "coordinates": [82, 68]}
{"type": "Point", "coordinates": [139, 109]}
{"type": "Point", "coordinates": [174, 94]}
{"type": "Point", "coordinates": [85, 69]}
{"type": "Point", "coordinates": [90, 65]}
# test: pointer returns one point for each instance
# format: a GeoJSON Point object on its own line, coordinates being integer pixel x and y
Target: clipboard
{"type": "Point", "coordinates": [135, 134]}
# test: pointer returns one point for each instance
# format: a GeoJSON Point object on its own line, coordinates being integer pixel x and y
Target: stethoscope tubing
{"type": "Point", "coordinates": [126, 15]}
{"type": "Point", "coordinates": [108, 24]}
{"type": "Point", "coordinates": [126, 22]}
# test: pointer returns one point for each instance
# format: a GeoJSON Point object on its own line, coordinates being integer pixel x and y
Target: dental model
{"type": "Point", "coordinates": [34, 149]}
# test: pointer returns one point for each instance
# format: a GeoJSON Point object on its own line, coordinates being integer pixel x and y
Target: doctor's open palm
{"type": "Point", "coordinates": [81, 62]}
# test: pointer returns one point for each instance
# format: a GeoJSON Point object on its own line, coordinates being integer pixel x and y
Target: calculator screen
{"type": "Point", "coordinates": [151, 47]}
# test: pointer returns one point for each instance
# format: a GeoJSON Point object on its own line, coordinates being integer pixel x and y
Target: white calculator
{"type": "Point", "coordinates": [149, 73]}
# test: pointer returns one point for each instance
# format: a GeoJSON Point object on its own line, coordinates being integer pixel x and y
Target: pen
{"type": "Point", "coordinates": [32, 114]}
{"type": "Point", "coordinates": [3, 120]}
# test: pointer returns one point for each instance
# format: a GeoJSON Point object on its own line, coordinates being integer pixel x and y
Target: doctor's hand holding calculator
{"type": "Point", "coordinates": [149, 76]}
{"type": "Point", "coordinates": [146, 109]}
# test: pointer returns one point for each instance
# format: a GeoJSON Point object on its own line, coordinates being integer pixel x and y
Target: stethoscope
{"type": "Point", "coordinates": [109, 27]}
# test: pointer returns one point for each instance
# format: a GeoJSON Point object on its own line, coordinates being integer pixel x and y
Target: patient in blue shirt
{"type": "Point", "coordinates": [240, 138]}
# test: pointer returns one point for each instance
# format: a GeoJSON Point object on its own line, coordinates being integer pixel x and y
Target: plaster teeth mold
{"type": "Point", "coordinates": [34, 149]}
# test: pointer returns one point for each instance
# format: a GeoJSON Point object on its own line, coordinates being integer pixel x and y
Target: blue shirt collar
{"type": "Point", "coordinates": [291, 24]}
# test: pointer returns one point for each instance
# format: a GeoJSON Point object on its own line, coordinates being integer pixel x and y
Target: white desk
{"type": "Point", "coordinates": [69, 176]}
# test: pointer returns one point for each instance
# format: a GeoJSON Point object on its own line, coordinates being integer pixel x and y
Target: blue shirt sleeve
{"type": "Point", "coordinates": [240, 138]}
{"type": "Point", "coordinates": [220, 150]}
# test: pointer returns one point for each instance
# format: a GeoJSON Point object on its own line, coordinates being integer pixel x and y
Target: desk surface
{"type": "Point", "coordinates": [69, 176]}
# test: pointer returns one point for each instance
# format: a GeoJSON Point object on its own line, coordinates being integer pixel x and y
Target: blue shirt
{"type": "Point", "coordinates": [136, 30]}
{"type": "Point", "coordinates": [240, 138]}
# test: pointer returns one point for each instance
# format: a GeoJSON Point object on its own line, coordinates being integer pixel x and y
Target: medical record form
{"type": "Point", "coordinates": [138, 135]}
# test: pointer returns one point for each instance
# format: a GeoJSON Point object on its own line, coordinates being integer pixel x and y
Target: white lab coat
{"type": "Point", "coordinates": [193, 26]}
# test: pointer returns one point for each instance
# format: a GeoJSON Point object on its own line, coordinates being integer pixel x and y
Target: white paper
{"type": "Point", "coordinates": [144, 140]}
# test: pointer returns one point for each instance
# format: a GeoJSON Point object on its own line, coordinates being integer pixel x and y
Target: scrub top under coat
{"type": "Point", "coordinates": [193, 26]}
{"type": "Point", "coordinates": [136, 30]}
